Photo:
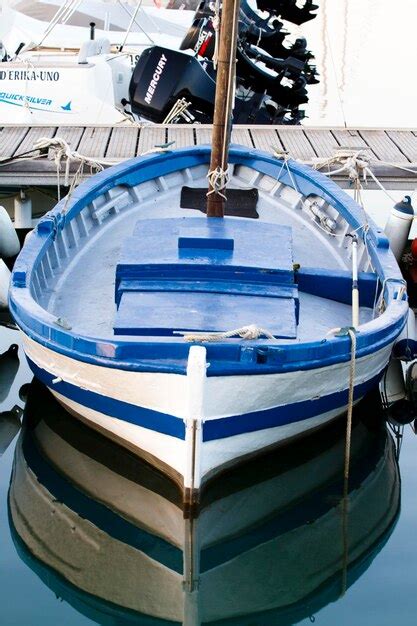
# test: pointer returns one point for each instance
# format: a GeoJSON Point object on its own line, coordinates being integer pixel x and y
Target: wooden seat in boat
{"type": "Point", "coordinates": [206, 275]}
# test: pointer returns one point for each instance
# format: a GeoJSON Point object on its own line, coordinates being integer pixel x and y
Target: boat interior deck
{"type": "Point", "coordinates": [112, 271]}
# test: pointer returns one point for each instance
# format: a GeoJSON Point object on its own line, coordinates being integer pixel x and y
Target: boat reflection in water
{"type": "Point", "coordinates": [108, 534]}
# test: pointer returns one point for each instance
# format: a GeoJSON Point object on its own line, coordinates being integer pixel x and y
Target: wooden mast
{"type": "Point", "coordinates": [222, 122]}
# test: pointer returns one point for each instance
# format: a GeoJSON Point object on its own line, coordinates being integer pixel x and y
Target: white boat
{"type": "Point", "coordinates": [52, 74]}
{"type": "Point", "coordinates": [108, 535]}
{"type": "Point", "coordinates": [61, 76]}
{"type": "Point", "coordinates": [113, 277]}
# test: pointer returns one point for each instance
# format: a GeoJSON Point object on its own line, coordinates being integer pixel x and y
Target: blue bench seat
{"type": "Point", "coordinates": [206, 275]}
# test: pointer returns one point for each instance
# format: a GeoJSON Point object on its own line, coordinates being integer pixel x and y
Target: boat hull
{"type": "Point", "coordinates": [154, 414]}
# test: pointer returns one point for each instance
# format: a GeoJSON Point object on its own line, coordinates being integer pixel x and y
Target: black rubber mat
{"type": "Point", "coordinates": [240, 202]}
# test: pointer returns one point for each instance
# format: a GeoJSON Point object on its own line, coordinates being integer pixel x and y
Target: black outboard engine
{"type": "Point", "coordinates": [289, 10]}
{"type": "Point", "coordinates": [162, 77]}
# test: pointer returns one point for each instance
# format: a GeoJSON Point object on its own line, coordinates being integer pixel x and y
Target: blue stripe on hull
{"type": "Point", "coordinates": [282, 415]}
{"type": "Point", "coordinates": [153, 420]}
{"type": "Point", "coordinates": [213, 428]}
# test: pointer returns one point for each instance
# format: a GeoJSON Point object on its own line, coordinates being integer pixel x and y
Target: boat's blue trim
{"type": "Point", "coordinates": [98, 514]}
{"type": "Point", "coordinates": [141, 416]}
{"type": "Point", "coordinates": [226, 358]}
{"type": "Point", "coordinates": [283, 415]}
{"type": "Point", "coordinates": [212, 429]}
{"type": "Point", "coordinates": [337, 285]}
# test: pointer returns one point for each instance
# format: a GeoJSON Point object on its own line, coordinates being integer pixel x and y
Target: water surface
{"type": "Point", "coordinates": [274, 545]}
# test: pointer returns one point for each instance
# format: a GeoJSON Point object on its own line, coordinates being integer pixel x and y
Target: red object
{"type": "Point", "coordinates": [414, 249]}
{"type": "Point", "coordinates": [204, 45]}
{"type": "Point", "coordinates": [413, 274]}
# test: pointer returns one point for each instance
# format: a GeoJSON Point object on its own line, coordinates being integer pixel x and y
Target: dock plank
{"type": "Point", "coordinates": [122, 144]}
{"type": "Point", "coordinates": [10, 140]}
{"type": "Point", "coordinates": [183, 137]}
{"type": "Point", "coordinates": [35, 133]}
{"type": "Point", "coordinates": [149, 137]}
{"type": "Point", "coordinates": [203, 135]}
{"type": "Point", "coordinates": [350, 138]}
{"type": "Point", "coordinates": [94, 141]}
{"type": "Point", "coordinates": [241, 136]}
{"type": "Point", "coordinates": [323, 143]}
{"type": "Point", "coordinates": [297, 144]}
{"type": "Point", "coordinates": [382, 146]}
{"type": "Point", "coordinates": [406, 142]}
{"type": "Point", "coordinates": [265, 139]}
{"type": "Point", "coordinates": [71, 134]}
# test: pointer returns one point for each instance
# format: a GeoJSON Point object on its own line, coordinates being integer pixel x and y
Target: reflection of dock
{"type": "Point", "coordinates": [388, 150]}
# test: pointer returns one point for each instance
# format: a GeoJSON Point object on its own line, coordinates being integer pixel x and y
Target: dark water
{"type": "Point", "coordinates": [90, 535]}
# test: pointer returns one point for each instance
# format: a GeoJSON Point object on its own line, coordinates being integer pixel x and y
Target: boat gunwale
{"type": "Point", "coordinates": [170, 354]}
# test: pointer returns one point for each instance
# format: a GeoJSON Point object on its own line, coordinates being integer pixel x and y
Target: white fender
{"type": "Point", "coordinates": [393, 383]}
{"type": "Point", "coordinates": [9, 241]}
{"type": "Point", "coordinates": [399, 225]}
{"type": "Point", "coordinates": [4, 284]}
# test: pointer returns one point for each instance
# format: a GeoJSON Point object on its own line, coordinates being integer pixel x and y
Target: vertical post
{"type": "Point", "coordinates": [196, 379]}
{"type": "Point", "coordinates": [22, 211]}
{"type": "Point", "coordinates": [355, 287]}
{"type": "Point", "coordinates": [225, 88]}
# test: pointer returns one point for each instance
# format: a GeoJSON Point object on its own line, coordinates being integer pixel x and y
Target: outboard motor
{"type": "Point", "coordinates": [289, 10]}
{"type": "Point", "coordinates": [162, 77]}
{"type": "Point", "coordinates": [201, 38]}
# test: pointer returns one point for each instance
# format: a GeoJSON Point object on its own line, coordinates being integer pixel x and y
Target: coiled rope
{"type": "Point", "coordinates": [246, 332]}
{"type": "Point", "coordinates": [218, 180]}
{"type": "Point", "coordinates": [61, 151]}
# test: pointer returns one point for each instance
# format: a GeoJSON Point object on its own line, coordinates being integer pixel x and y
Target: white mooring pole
{"type": "Point", "coordinates": [22, 211]}
{"type": "Point", "coordinates": [196, 381]}
{"type": "Point", "coordinates": [355, 287]}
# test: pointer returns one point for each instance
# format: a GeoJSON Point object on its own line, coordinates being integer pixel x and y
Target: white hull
{"type": "Point", "coordinates": [196, 403]}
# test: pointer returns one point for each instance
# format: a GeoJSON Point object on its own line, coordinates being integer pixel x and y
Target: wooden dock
{"type": "Point", "coordinates": [392, 152]}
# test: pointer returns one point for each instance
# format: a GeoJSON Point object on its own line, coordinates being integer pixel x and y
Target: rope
{"type": "Point", "coordinates": [246, 332]}
{"type": "Point", "coordinates": [61, 151]}
{"type": "Point", "coordinates": [345, 501]}
{"type": "Point", "coordinates": [216, 26]}
{"type": "Point", "coordinates": [218, 180]}
{"type": "Point", "coordinates": [278, 153]}
{"type": "Point", "coordinates": [340, 332]}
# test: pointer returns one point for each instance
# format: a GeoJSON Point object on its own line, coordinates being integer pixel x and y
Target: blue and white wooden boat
{"type": "Point", "coordinates": [112, 279]}
{"type": "Point", "coordinates": [109, 536]}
